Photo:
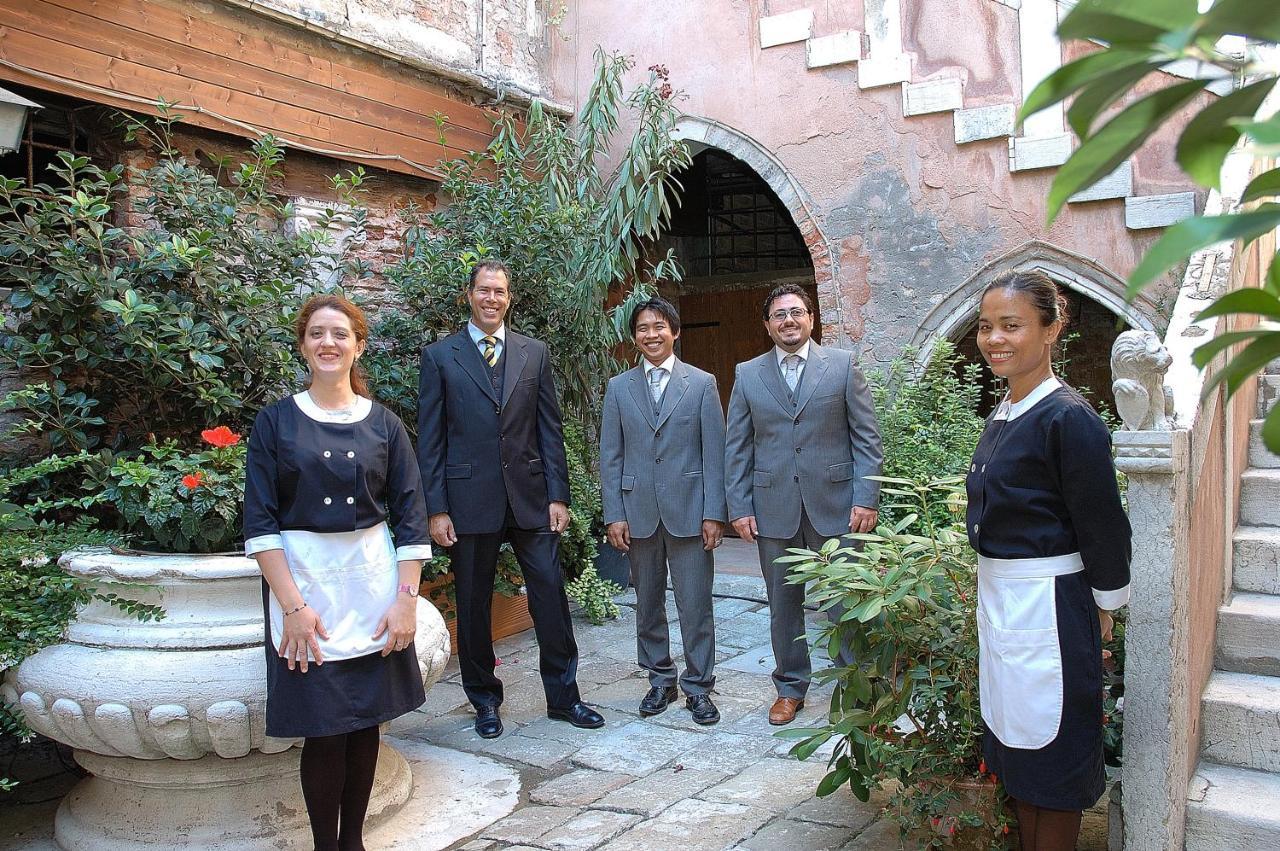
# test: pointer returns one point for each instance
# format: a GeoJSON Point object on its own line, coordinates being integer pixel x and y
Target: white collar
{"type": "Point", "coordinates": [354, 414]}
{"type": "Point", "coordinates": [669, 364]}
{"type": "Point", "coordinates": [1011, 411]}
{"type": "Point", "coordinates": [803, 352]}
{"type": "Point", "coordinates": [477, 334]}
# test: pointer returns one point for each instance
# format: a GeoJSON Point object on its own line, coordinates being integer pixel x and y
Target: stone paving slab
{"type": "Point", "coordinates": [538, 751]}
{"type": "Point", "coordinates": [691, 822]}
{"type": "Point", "coordinates": [591, 829]}
{"type": "Point", "coordinates": [636, 748]}
{"type": "Point", "coordinates": [726, 752]}
{"type": "Point", "coordinates": [578, 788]}
{"type": "Point", "coordinates": [650, 795]}
{"type": "Point", "coordinates": [798, 835]}
{"type": "Point", "coordinates": [839, 809]}
{"type": "Point", "coordinates": [776, 785]}
{"type": "Point", "coordinates": [528, 823]}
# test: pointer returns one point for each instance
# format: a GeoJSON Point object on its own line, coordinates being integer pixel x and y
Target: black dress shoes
{"type": "Point", "coordinates": [657, 700]}
{"type": "Point", "coordinates": [704, 711]}
{"type": "Point", "coordinates": [579, 715]}
{"type": "Point", "coordinates": [488, 724]}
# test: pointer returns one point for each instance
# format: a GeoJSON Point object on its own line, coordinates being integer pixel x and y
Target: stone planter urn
{"type": "Point", "coordinates": [169, 716]}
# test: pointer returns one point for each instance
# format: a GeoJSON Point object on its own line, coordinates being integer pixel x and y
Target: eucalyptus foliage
{"type": "Point", "coordinates": [1139, 37]}
{"type": "Point", "coordinates": [538, 199]}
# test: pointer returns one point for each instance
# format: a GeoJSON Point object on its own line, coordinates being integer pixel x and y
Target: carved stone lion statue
{"type": "Point", "coordinates": [1139, 362]}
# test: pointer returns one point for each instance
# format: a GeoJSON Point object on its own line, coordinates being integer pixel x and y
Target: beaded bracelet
{"type": "Point", "coordinates": [295, 611]}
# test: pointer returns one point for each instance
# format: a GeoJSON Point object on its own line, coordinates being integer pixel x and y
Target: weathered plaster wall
{"type": "Point", "coordinates": [907, 213]}
{"type": "Point", "coordinates": [503, 44]}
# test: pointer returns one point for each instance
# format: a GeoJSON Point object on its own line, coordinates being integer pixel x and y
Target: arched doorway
{"type": "Point", "coordinates": [736, 241]}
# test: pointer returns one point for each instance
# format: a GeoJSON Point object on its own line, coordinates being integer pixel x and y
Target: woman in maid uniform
{"type": "Point", "coordinates": [1053, 559]}
{"type": "Point", "coordinates": [334, 515]}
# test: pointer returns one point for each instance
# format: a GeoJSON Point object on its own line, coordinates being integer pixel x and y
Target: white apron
{"type": "Point", "coordinates": [1019, 659]}
{"type": "Point", "coordinates": [349, 579]}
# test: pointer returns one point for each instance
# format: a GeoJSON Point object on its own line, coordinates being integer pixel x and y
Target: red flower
{"type": "Point", "coordinates": [191, 481]}
{"type": "Point", "coordinates": [982, 766]}
{"type": "Point", "coordinates": [220, 437]}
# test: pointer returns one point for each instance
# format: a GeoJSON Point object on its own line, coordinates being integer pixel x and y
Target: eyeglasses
{"type": "Point", "coordinates": [794, 313]}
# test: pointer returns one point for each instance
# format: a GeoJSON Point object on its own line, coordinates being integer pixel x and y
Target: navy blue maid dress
{"type": "Point", "coordinates": [1053, 545]}
{"type": "Point", "coordinates": [341, 495]}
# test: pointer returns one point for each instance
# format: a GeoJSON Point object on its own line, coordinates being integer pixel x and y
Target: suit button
{"type": "Point", "coordinates": [797, 450]}
{"type": "Point", "coordinates": [328, 501]}
{"type": "Point", "coordinates": [351, 454]}
{"type": "Point", "coordinates": [975, 528]}
{"type": "Point", "coordinates": [658, 434]}
{"type": "Point", "coordinates": [657, 460]}
{"type": "Point", "coordinates": [795, 478]}
{"type": "Point", "coordinates": [497, 410]}
{"type": "Point", "coordinates": [327, 453]}
{"type": "Point", "coordinates": [351, 500]}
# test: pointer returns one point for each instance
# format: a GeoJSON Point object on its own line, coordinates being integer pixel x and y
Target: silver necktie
{"type": "Point", "coordinates": [791, 371]}
{"type": "Point", "coordinates": [655, 385]}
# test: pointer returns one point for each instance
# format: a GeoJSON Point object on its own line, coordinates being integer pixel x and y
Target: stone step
{"type": "Point", "coordinates": [1255, 564]}
{"type": "Point", "coordinates": [1158, 211]}
{"type": "Point", "coordinates": [1240, 714]}
{"type": "Point", "coordinates": [1249, 635]}
{"type": "Point", "coordinates": [1224, 801]}
{"type": "Point", "coordinates": [984, 122]}
{"type": "Point", "coordinates": [1260, 497]}
{"type": "Point", "coordinates": [1259, 454]}
{"type": "Point", "coordinates": [1268, 391]}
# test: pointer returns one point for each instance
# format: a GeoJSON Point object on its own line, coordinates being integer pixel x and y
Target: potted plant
{"type": "Point", "coordinates": [907, 716]}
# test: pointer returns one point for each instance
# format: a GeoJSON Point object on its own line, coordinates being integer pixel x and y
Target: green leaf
{"type": "Point", "coordinates": [1187, 237]}
{"type": "Point", "coordinates": [1271, 430]}
{"type": "Point", "coordinates": [1209, 137]}
{"type": "Point", "coordinates": [1206, 352]}
{"type": "Point", "coordinates": [1251, 360]}
{"type": "Point", "coordinates": [1075, 75]}
{"type": "Point", "coordinates": [833, 780]}
{"type": "Point", "coordinates": [1103, 92]}
{"type": "Point", "coordinates": [1120, 137]}
{"type": "Point", "coordinates": [1247, 300]}
{"type": "Point", "coordinates": [1264, 134]}
{"type": "Point", "coordinates": [1253, 18]}
{"type": "Point", "coordinates": [1128, 22]}
{"type": "Point", "coordinates": [1264, 185]}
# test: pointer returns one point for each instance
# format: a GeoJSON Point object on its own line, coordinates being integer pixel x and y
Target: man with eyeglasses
{"type": "Point", "coordinates": [801, 440]}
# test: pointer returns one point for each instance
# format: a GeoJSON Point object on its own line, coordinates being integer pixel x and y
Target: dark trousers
{"type": "Point", "coordinates": [475, 560]}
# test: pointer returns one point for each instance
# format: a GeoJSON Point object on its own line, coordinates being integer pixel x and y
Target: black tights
{"type": "Point", "coordinates": [1046, 830]}
{"type": "Point", "coordinates": [337, 779]}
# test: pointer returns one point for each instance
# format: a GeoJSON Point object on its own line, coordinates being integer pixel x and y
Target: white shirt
{"type": "Point", "coordinates": [1012, 410]}
{"type": "Point", "coordinates": [802, 352]}
{"type": "Point", "coordinates": [669, 364]}
{"type": "Point", "coordinates": [477, 335]}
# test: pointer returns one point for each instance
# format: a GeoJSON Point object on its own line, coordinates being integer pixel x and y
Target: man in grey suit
{"type": "Point", "coordinates": [801, 441]}
{"type": "Point", "coordinates": [662, 482]}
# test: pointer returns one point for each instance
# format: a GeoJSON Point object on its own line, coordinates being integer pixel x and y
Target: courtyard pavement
{"type": "Point", "coordinates": [638, 783]}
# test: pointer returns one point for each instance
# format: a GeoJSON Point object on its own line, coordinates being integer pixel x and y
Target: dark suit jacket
{"type": "Point", "coordinates": [479, 453]}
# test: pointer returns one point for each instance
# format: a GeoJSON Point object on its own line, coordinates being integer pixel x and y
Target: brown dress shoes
{"type": "Point", "coordinates": [784, 710]}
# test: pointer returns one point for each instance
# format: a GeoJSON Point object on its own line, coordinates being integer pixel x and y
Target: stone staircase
{"type": "Point", "coordinates": [1047, 144]}
{"type": "Point", "coordinates": [1234, 796]}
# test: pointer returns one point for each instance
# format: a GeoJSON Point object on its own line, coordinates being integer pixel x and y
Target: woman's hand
{"type": "Point", "coordinates": [1106, 623]}
{"type": "Point", "coordinates": [300, 630]}
{"type": "Point", "coordinates": [400, 622]}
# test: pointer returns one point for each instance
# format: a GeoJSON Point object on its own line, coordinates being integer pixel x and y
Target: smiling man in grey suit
{"type": "Point", "coordinates": [801, 441]}
{"type": "Point", "coordinates": [662, 482]}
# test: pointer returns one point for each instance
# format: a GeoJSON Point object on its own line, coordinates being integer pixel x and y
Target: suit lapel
{"type": "Point", "coordinates": [467, 354]}
{"type": "Point", "coordinates": [812, 374]}
{"type": "Point", "coordinates": [676, 387]}
{"type": "Point", "coordinates": [640, 394]}
{"type": "Point", "coordinates": [772, 378]}
{"type": "Point", "coordinates": [514, 358]}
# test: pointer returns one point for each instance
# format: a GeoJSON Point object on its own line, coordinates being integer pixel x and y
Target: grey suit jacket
{"type": "Point", "coordinates": [815, 454]}
{"type": "Point", "coordinates": [669, 467]}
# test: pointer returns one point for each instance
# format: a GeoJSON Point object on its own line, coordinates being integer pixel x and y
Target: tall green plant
{"type": "Point", "coordinates": [537, 198]}
{"type": "Point", "coordinates": [166, 328]}
{"type": "Point", "coordinates": [1141, 36]}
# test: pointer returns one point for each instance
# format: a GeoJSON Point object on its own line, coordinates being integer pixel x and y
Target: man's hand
{"type": "Point", "coordinates": [619, 535]}
{"type": "Point", "coordinates": [559, 516]}
{"type": "Point", "coordinates": [712, 534]}
{"type": "Point", "coordinates": [1106, 623]}
{"type": "Point", "coordinates": [746, 528]}
{"type": "Point", "coordinates": [863, 519]}
{"type": "Point", "coordinates": [441, 526]}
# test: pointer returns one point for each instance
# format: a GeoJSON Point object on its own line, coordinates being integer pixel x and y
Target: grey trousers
{"type": "Point", "coordinates": [793, 669]}
{"type": "Point", "coordinates": [691, 569]}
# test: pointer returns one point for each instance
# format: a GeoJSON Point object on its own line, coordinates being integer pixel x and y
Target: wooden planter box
{"type": "Point", "coordinates": [508, 615]}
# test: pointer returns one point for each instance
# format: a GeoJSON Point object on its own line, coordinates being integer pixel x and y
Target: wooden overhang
{"type": "Point", "coordinates": [244, 74]}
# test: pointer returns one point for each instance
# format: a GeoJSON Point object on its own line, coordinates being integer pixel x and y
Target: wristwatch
{"type": "Point", "coordinates": [406, 588]}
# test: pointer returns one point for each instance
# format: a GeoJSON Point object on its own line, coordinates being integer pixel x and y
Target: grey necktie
{"type": "Point", "coordinates": [791, 372]}
{"type": "Point", "coordinates": [655, 386]}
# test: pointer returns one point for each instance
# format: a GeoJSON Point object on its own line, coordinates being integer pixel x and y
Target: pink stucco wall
{"type": "Point", "coordinates": [908, 214]}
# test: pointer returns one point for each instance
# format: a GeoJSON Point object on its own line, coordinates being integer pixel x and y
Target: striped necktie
{"type": "Point", "coordinates": [489, 348]}
{"type": "Point", "coordinates": [791, 373]}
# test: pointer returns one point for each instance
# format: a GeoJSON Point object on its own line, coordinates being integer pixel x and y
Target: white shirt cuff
{"type": "Point", "coordinates": [262, 543]}
{"type": "Point", "coordinates": [413, 552]}
{"type": "Point", "coordinates": [1111, 600]}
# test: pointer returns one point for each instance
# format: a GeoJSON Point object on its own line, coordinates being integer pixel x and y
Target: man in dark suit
{"type": "Point", "coordinates": [491, 449]}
